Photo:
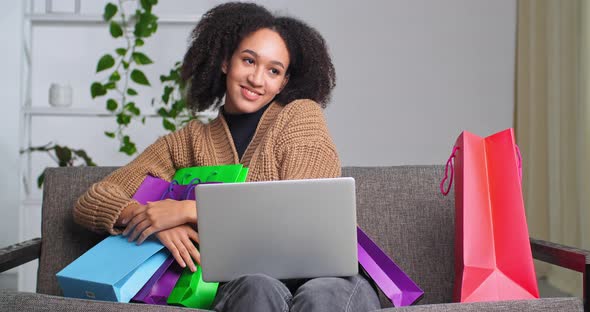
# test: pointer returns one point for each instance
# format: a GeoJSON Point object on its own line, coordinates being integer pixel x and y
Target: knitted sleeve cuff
{"type": "Point", "coordinates": [99, 208]}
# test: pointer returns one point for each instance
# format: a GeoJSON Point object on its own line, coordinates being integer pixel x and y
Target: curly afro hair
{"type": "Point", "coordinates": [219, 32]}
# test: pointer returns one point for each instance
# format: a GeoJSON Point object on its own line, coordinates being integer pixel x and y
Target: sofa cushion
{"type": "Point", "coordinates": [544, 304]}
{"type": "Point", "coordinates": [12, 301]}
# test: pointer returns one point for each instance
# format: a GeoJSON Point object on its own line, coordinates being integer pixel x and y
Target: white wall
{"type": "Point", "coordinates": [411, 75]}
{"type": "Point", "coordinates": [10, 61]}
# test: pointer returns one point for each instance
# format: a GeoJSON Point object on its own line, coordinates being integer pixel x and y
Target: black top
{"type": "Point", "coordinates": [242, 127]}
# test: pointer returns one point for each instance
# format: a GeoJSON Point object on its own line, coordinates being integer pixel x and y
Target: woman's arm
{"type": "Point", "coordinates": [305, 147]}
{"type": "Point", "coordinates": [106, 203]}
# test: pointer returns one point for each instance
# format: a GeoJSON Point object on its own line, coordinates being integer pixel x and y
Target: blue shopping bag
{"type": "Point", "coordinates": [113, 270]}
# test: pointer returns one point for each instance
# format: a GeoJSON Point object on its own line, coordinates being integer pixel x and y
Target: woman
{"type": "Point", "coordinates": [273, 76]}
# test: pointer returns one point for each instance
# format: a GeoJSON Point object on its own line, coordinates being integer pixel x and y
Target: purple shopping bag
{"type": "Point", "coordinates": [160, 285]}
{"type": "Point", "coordinates": [392, 281]}
{"type": "Point", "coordinates": [151, 189]}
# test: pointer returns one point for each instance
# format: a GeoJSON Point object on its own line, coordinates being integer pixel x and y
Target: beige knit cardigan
{"type": "Point", "coordinates": [290, 142]}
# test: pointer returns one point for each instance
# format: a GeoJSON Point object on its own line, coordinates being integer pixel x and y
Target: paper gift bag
{"type": "Point", "coordinates": [493, 259]}
{"type": "Point", "coordinates": [222, 173]}
{"type": "Point", "coordinates": [191, 291]}
{"type": "Point", "coordinates": [113, 270]}
{"type": "Point", "coordinates": [160, 285]}
{"type": "Point", "coordinates": [392, 281]}
{"type": "Point", "coordinates": [98, 275]}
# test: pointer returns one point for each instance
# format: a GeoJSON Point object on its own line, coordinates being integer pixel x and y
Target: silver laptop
{"type": "Point", "coordinates": [284, 229]}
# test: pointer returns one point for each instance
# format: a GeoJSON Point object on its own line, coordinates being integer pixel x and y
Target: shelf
{"type": "Point", "coordinates": [77, 19]}
{"type": "Point", "coordinates": [88, 112]}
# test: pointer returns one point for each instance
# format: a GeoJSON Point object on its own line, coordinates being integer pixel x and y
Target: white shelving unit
{"type": "Point", "coordinates": [30, 112]}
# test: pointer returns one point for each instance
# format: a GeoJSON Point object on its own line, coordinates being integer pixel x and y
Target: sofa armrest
{"type": "Point", "coordinates": [566, 257]}
{"type": "Point", "coordinates": [18, 254]}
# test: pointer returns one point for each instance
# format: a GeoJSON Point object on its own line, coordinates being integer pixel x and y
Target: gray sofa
{"type": "Point", "coordinates": [399, 207]}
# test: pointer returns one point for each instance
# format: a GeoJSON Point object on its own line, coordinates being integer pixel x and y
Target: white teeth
{"type": "Point", "coordinates": [250, 92]}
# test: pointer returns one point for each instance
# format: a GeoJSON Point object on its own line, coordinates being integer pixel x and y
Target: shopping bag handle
{"type": "Point", "coordinates": [170, 190]}
{"type": "Point", "coordinates": [519, 162]}
{"type": "Point", "coordinates": [449, 164]}
{"type": "Point", "coordinates": [191, 186]}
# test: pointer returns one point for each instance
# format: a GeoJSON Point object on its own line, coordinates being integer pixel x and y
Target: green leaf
{"type": "Point", "coordinates": [141, 58]}
{"type": "Point", "coordinates": [112, 105]}
{"type": "Point", "coordinates": [166, 96]}
{"type": "Point", "coordinates": [121, 51]}
{"type": "Point", "coordinates": [146, 5]}
{"type": "Point", "coordinates": [168, 125]}
{"type": "Point", "coordinates": [110, 134]}
{"type": "Point", "coordinates": [143, 120]}
{"type": "Point", "coordinates": [116, 30]}
{"type": "Point", "coordinates": [82, 154]}
{"type": "Point", "coordinates": [139, 77]}
{"type": "Point", "coordinates": [132, 108]}
{"type": "Point", "coordinates": [115, 76]}
{"type": "Point", "coordinates": [125, 64]}
{"type": "Point", "coordinates": [64, 155]}
{"type": "Point", "coordinates": [40, 179]}
{"type": "Point", "coordinates": [96, 90]}
{"type": "Point", "coordinates": [123, 119]}
{"type": "Point", "coordinates": [109, 11]}
{"type": "Point", "coordinates": [128, 148]}
{"type": "Point", "coordinates": [110, 85]}
{"type": "Point", "coordinates": [105, 62]}
{"type": "Point", "coordinates": [131, 91]}
{"type": "Point", "coordinates": [139, 42]}
{"type": "Point", "coordinates": [163, 112]}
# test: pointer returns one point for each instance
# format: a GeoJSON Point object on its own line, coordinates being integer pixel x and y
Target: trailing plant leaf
{"type": "Point", "coordinates": [121, 51]}
{"type": "Point", "coordinates": [109, 134]}
{"type": "Point", "coordinates": [105, 62]}
{"type": "Point", "coordinates": [115, 76]}
{"type": "Point", "coordinates": [168, 125]}
{"type": "Point", "coordinates": [141, 58]}
{"type": "Point", "coordinates": [112, 105]}
{"type": "Point", "coordinates": [96, 90]}
{"type": "Point", "coordinates": [131, 91]}
{"type": "Point", "coordinates": [109, 11]}
{"type": "Point", "coordinates": [116, 30]}
{"type": "Point", "coordinates": [139, 77]}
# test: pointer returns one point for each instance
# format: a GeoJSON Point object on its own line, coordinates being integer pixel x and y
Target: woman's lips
{"type": "Point", "coordinates": [250, 95]}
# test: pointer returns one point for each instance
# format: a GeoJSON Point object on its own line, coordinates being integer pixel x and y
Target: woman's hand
{"type": "Point", "coordinates": [158, 216]}
{"type": "Point", "coordinates": [179, 240]}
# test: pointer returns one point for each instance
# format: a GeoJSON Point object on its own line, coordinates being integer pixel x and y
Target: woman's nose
{"type": "Point", "coordinates": [255, 77]}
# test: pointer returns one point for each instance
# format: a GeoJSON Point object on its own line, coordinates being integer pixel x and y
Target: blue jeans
{"type": "Point", "coordinates": [259, 292]}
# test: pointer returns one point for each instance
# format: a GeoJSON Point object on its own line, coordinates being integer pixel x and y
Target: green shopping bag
{"type": "Point", "coordinates": [190, 290]}
{"type": "Point", "coordinates": [223, 173]}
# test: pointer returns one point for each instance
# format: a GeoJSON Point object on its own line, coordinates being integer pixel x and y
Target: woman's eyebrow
{"type": "Point", "coordinates": [256, 55]}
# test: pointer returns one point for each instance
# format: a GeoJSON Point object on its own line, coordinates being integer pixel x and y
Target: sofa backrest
{"type": "Point", "coordinates": [401, 208]}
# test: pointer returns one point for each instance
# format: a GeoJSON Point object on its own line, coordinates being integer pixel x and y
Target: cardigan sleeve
{"type": "Point", "coordinates": [100, 206]}
{"type": "Point", "coordinates": [305, 147]}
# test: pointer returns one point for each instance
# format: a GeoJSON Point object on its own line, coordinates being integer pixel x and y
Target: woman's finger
{"type": "Point", "coordinates": [192, 250]}
{"type": "Point", "coordinates": [138, 229]}
{"type": "Point", "coordinates": [145, 234]}
{"type": "Point", "coordinates": [193, 235]}
{"type": "Point", "coordinates": [185, 255]}
{"type": "Point", "coordinates": [174, 251]}
{"type": "Point", "coordinates": [135, 220]}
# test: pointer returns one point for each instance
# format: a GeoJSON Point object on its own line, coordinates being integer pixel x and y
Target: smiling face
{"type": "Point", "coordinates": [256, 72]}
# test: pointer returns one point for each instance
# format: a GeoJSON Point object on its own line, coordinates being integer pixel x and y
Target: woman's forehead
{"type": "Point", "coordinates": [265, 44]}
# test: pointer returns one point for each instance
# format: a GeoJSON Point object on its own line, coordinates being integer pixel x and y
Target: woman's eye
{"type": "Point", "coordinates": [249, 61]}
{"type": "Point", "coordinates": [275, 71]}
